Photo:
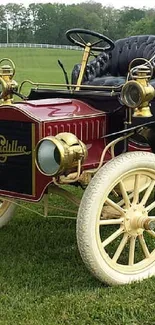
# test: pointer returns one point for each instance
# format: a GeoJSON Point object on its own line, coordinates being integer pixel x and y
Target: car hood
{"type": "Point", "coordinates": [56, 108]}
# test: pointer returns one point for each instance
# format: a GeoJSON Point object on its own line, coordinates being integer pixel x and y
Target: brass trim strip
{"type": "Point", "coordinates": [72, 86]}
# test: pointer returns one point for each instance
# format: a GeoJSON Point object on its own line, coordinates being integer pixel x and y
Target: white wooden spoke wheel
{"type": "Point", "coordinates": [116, 220]}
{"type": "Point", "coordinates": [6, 211]}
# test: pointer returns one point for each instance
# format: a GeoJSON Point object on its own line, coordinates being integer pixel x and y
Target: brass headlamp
{"type": "Point", "coordinates": [138, 93]}
{"type": "Point", "coordinates": [56, 155]}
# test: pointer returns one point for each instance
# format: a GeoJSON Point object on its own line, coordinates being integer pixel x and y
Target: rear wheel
{"type": "Point", "coordinates": [116, 220]}
{"type": "Point", "coordinates": [6, 211]}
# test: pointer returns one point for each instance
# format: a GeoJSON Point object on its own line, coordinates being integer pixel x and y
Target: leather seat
{"type": "Point", "coordinates": [111, 68]}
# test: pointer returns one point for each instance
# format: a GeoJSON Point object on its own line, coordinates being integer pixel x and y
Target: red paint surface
{"type": "Point", "coordinates": [52, 116]}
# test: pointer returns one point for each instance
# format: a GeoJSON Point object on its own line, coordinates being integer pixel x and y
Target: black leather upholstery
{"type": "Point", "coordinates": [111, 68]}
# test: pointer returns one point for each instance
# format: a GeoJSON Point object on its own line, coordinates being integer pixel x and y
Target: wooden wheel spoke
{"type": "Point", "coordinates": [115, 206]}
{"type": "Point", "coordinates": [131, 195]}
{"type": "Point", "coordinates": [148, 192]}
{"type": "Point", "coordinates": [151, 233]}
{"type": "Point", "coordinates": [112, 237]}
{"type": "Point", "coordinates": [124, 194]}
{"type": "Point", "coordinates": [136, 189]}
{"type": "Point", "coordinates": [144, 246]}
{"type": "Point", "coordinates": [152, 218]}
{"type": "Point", "coordinates": [120, 247]}
{"type": "Point", "coordinates": [150, 206]}
{"type": "Point", "coordinates": [105, 222]}
{"type": "Point", "coordinates": [132, 250]}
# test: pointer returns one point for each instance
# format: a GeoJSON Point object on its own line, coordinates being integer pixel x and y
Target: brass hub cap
{"type": "Point", "coordinates": [135, 218]}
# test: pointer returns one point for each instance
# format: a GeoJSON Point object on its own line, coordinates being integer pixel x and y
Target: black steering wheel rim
{"type": "Point", "coordinates": [91, 33]}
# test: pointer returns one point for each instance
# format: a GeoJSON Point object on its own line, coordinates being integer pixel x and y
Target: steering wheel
{"type": "Point", "coordinates": [75, 36]}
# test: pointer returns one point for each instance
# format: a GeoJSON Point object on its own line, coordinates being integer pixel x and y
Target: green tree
{"type": "Point", "coordinates": [47, 23]}
{"type": "Point", "coordinates": [110, 18]}
{"type": "Point", "coordinates": [144, 26]}
{"type": "Point", "coordinates": [3, 25]}
{"type": "Point", "coordinates": [128, 16]}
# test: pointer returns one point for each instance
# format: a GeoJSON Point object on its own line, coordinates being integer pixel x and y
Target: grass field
{"type": "Point", "coordinates": [41, 64]}
{"type": "Point", "coordinates": [42, 278]}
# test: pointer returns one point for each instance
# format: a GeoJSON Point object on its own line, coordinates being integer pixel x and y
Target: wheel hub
{"type": "Point", "coordinates": [136, 218]}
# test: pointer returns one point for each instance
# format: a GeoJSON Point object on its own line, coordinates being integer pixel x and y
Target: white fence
{"type": "Point", "coordinates": [47, 46]}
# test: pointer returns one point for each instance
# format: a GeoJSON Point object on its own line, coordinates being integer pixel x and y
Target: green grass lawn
{"type": "Point", "coordinates": [41, 65]}
{"type": "Point", "coordinates": [42, 278]}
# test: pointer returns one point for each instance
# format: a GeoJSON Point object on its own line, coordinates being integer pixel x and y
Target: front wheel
{"type": "Point", "coordinates": [116, 220]}
{"type": "Point", "coordinates": [6, 211]}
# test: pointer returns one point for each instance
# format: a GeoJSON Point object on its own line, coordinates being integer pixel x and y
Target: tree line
{"type": "Point", "coordinates": [47, 23]}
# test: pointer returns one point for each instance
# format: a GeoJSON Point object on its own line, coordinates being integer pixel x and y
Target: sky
{"type": "Point", "coordinates": [114, 3]}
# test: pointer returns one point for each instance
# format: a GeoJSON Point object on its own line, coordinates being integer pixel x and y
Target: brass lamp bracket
{"type": "Point", "coordinates": [7, 72]}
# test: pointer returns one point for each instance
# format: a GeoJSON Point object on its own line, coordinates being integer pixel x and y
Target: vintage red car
{"type": "Point", "coordinates": [96, 132]}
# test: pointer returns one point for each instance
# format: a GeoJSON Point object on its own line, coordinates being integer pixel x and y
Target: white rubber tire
{"type": "Point", "coordinates": [6, 212]}
{"type": "Point", "coordinates": [91, 204]}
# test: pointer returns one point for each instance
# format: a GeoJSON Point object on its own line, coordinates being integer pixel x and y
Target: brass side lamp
{"type": "Point", "coordinates": [7, 72]}
{"type": "Point", "coordinates": [138, 93]}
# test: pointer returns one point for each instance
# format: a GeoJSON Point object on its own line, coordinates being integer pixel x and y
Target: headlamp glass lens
{"type": "Point", "coordinates": [48, 157]}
